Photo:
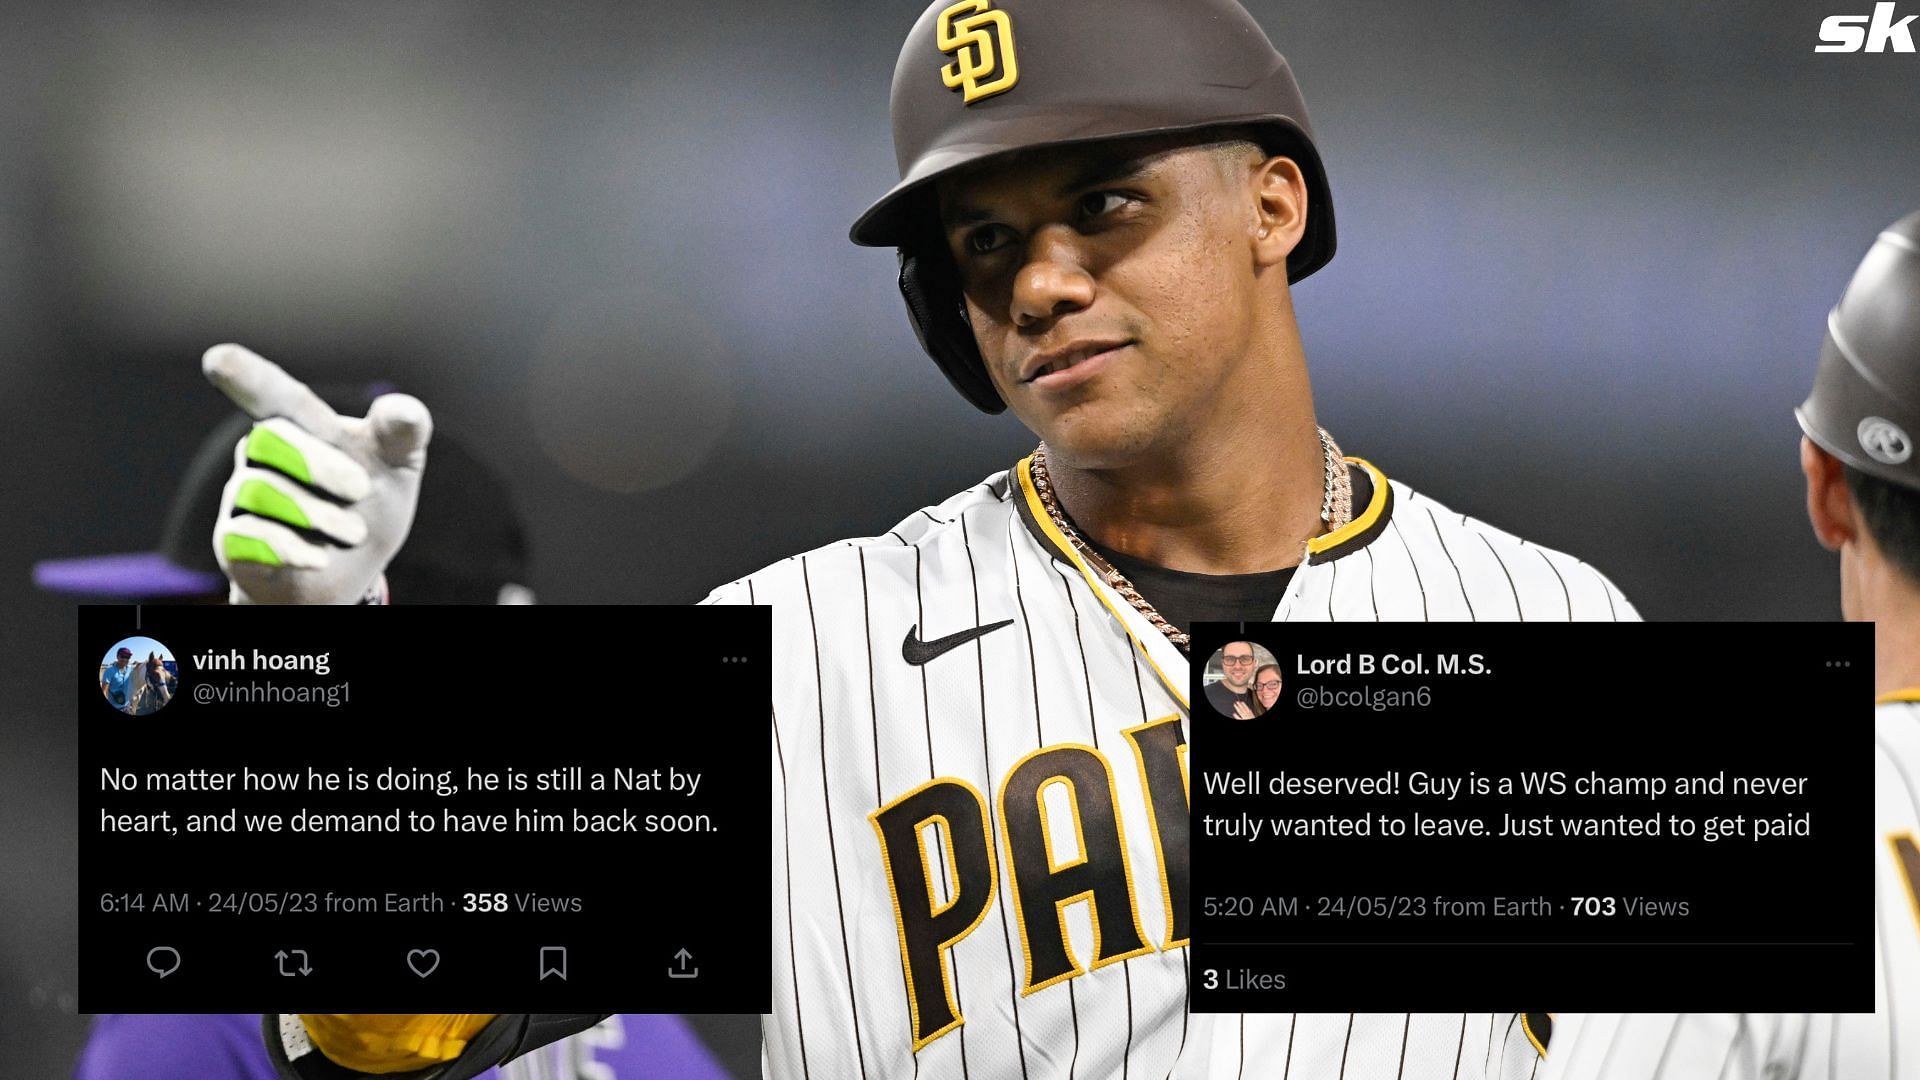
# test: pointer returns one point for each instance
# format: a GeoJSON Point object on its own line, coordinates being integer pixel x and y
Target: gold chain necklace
{"type": "Point", "coordinates": [1336, 510]}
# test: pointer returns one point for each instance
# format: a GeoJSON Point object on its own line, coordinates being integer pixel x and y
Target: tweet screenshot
{"type": "Point", "coordinates": [424, 809]}
{"type": "Point", "coordinates": [1589, 816]}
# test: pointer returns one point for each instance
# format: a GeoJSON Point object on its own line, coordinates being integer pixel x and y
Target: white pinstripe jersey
{"type": "Point", "coordinates": [980, 861]}
{"type": "Point", "coordinates": [1883, 1045]}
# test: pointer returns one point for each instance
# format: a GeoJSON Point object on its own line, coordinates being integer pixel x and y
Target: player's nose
{"type": "Point", "coordinates": [1053, 280]}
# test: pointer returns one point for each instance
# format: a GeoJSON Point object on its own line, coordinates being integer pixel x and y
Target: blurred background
{"type": "Point", "coordinates": [1585, 254]}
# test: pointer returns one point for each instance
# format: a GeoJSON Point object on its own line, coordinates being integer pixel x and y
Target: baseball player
{"type": "Point", "coordinates": [1863, 496]}
{"type": "Point", "coordinates": [980, 716]}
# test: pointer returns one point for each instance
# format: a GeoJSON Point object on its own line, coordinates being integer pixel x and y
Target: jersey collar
{"type": "Point", "coordinates": [1367, 524]}
{"type": "Point", "coordinates": [1160, 654]}
{"type": "Point", "coordinates": [1911, 693]}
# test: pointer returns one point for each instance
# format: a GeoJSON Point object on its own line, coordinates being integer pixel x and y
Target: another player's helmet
{"type": "Point", "coordinates": [452, 556]}
{"type": "Point", "coordinates": [1865, 405]}
{"type": "Point", "coordinates": [980, 78]}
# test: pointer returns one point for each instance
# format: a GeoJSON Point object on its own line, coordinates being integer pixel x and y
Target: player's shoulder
{"type": "Point", "coordinates": [1508, 577]}
{"type": "Point", "coordinates": [1450, 524]}
{"type": "Point", "coordinates": [960, 520]}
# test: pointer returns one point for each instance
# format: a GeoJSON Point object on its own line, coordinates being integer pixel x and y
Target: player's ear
{"type": "Point", "coordinates": [1279, 193]}
{"type": "Point", "coordinates": [1829, 503]}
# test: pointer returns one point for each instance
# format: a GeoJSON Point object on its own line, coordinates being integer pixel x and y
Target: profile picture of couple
{"type": "Point", "coordinates": [1242, 680]}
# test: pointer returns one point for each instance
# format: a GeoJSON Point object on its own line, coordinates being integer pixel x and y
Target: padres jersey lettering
{"type": "Point", "coordinates": [981, 860]}
{"type": "Point", "coordinates": [1883, 1045]}
{"type": "Point", "coordinates": [931, 918]}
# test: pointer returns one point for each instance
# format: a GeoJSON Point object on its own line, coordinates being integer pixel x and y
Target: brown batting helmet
{"type": "Point", "coordinates": [1865, 405]}
{"type": "Point", "coordinates": [981, 78]}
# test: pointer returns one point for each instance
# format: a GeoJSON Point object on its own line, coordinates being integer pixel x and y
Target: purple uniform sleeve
{"type": "Point", "coordinates": [624, 1046]}
{"type": "Point", "coordinates": [179, 1046]}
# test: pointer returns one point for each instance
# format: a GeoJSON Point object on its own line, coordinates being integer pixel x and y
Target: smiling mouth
{"type": "Point", "coordinates": [1075, 359]}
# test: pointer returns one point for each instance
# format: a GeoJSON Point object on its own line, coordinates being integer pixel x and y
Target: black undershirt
{"type": "Point", "coordinates": [1186, 598]}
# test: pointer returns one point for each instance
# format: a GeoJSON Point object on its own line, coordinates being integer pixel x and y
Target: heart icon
{"type": "Point", "coordinates": [423, 961]}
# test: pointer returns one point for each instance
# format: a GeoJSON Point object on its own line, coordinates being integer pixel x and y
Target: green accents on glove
{"type": "Point", "coordinates": [264, 447]}
{"type": "Point", "coordinates": [268, 501]}
{"type": "Point", "coordinates": [318, 503]}
{"type": "Point", "coordinates": [247, 549]}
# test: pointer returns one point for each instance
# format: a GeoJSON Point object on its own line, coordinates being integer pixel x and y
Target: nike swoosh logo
{"type": "Point", "coordinates": [917, 652]}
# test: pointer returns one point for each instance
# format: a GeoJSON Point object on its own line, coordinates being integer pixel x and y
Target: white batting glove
{"type": "Point", "coordinates": [325, 500]}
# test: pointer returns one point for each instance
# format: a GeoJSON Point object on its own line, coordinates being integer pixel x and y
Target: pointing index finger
{"type": "Point", "coordinates": [264, 390]}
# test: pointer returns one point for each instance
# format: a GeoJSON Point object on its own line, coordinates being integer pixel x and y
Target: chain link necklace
{"type": "Point", "coordinates": [1336, 510]}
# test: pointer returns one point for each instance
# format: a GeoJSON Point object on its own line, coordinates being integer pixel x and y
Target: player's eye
{"type": "Point", "coordinates": [986, 239]}
{"type": "Point", "coordinates": [1100, 203]}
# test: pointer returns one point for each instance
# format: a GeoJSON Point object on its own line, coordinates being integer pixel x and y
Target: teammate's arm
{"type": "Point", "coordinates": [355, 481]}
{"type": "Point", "coordinates": [304, 469]}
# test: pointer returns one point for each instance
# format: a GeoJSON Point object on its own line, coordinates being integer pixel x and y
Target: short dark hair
{"type": "Point", "coordinates": [1892, 515]}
